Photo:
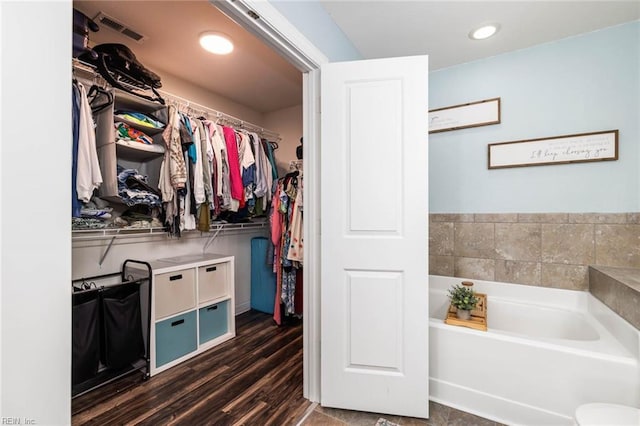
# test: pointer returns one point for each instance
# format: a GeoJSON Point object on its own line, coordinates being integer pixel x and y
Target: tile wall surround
{"type": "Point", "coordinates": [542, 249]}
{"type": "Point", "coordinates": [619, 289]}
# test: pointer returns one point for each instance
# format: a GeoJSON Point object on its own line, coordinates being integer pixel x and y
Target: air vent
{"type": "Point", "coordinates": [107, 21]}
{"type": "Point", "coordinates": [110, 23]}
{"type": "Point", "coordinates": [132, 34]}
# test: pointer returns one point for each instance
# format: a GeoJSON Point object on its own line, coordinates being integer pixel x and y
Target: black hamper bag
{"type": "Point", "coordinates": [85, 337]}
{"type": "Point", "coordinates": [123, 341]}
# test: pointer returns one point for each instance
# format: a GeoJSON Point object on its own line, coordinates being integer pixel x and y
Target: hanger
{"type": "Point", "coordinates": [292, 178]}
{"type": "Point", "coordinates": [95, 92]}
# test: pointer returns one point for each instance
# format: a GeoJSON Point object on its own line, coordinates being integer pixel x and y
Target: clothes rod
{"type": "Point", "coordinates": [180, 103]}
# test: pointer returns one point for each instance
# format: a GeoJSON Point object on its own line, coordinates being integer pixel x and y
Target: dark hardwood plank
{"type": "Point", "coordinates": [206, 401]}
{"type": "Point", "coordinates": [255, 378]}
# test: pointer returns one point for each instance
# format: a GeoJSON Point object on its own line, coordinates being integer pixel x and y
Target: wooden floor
{"type": "Point", "coordinates": [254, 379]}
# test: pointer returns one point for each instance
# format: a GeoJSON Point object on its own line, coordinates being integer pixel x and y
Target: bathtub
{"type": "Point", "coordinates": [546, 352]}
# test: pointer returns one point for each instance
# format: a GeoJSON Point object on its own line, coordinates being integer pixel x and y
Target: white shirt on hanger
{"type": "Point", "coordinates": [88, 176]}
{"type": "Point", "coordinates": [262, 186]}
{"type": "Point", "coordinates": [198, 177]}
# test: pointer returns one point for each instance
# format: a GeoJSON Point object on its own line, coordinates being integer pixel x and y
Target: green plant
{"type": "Point", "coordinates": [463, 298]}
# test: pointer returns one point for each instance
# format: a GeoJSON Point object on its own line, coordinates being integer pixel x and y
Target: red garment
{"type": "Point", "coordinates": [276, 236]}
{"type": "Point", "coordinates": [235, 177]}
{"type": "Point", "coordinates": [276, 221]}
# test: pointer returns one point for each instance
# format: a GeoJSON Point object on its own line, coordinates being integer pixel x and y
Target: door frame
{"type": "Point", "coordinates": [264, 21]}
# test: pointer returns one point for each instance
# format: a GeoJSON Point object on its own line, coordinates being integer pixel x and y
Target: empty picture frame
{"type": "Point", "coordinates": [472, 114]}
{"type": "Point", "coordinates": [578, 148]}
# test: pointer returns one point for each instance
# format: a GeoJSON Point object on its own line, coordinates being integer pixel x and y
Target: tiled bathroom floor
{"type": "Point", "coordinates": [440, 415]}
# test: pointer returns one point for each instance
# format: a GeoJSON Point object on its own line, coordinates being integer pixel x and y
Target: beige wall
{"type": "Point", "coordinates": [543, 249]}
{"type": "Point", "coordinates": [175, 86]}
{"type": "Point", "coordinates": [288, 123]}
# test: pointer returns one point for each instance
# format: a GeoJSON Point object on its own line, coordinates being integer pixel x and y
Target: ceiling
{"type": "Point", "coordinates": [380, 29]}
{"type": "Point", "coordinates": [255, 76]}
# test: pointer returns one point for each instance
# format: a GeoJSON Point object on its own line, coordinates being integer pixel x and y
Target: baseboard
{"type": "Point", "coordinates": [243, 307]}
{"type": "Point", "coordinates": [491, 406]}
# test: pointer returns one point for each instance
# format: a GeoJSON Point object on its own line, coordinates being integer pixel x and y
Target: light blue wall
{"type": "Point", "coordinates": [580, 84]}
{"type": "Point", "coordinates": [312, 20]}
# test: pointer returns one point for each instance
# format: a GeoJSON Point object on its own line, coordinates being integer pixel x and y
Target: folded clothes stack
{"type": "Point", "coordinates": [96, 213]}
{"type": "Point", "coordinates": [125, 221]}
{"type": "Point", "coordinates": [126, 132]}
{"type": "Point", "coordinates": [134, 189]}
{"type": "Point", "coordinates": [93, 215]}
{"type": "Point", "coordinates": [79, 223]}
{"type": "Point", "coordinates": [138, 118]}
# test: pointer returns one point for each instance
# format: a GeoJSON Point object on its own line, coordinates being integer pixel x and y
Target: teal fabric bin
{"type": "Point", "coordinates": [214, 321]}
{"type": "Point", "coordinates": [263, 279]}
{"type": "Point", "coordinates": [175, 337]}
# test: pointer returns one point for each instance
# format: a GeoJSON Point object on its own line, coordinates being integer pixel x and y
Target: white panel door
{"type": "Point", "coordinates": [374, 236]}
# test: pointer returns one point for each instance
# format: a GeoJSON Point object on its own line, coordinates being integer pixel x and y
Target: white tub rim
{"type": "Point", "coordinates": [613, 329]}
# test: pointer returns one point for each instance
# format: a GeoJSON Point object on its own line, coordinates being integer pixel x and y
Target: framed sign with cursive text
{"type": "Point", "coordinates": [596, 146]}
{"type": "Point", "coordinates": [472, 114]}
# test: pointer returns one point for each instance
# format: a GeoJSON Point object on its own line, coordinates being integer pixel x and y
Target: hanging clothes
{"type": "Point", "coordinates": [248, 168]}
{"type": "Point", "coordinates": [210, 172]}
{"type": "Point", "coordinates": [174, 158]}
{"type": "Point", "coordinates": [173, 173]}
{"type": "Point", "coordinates": [88, 175]}
{"type": "Point", "coordinates": [217, 146]}
{"type": "Point", "coordinates": [207, 160]}
{"type": "Point", "coordinates": [286, 236]}
{"type": "Point", "coordinates": [262, 185]}
{"type": "Point", "coordinates": [275, 219]}
{"type": "Point", "coordinates": [235, 176]}
{"type": "Point", "coordinates": [187, 218]}
{"type": "Point", "coordinates": [186, 136]}
{"type": "Point", "coordinates": [272, 159]}
{"type": "Point", "coordinates": [295, 250]}
{"type": "Point", "coordinates": [198, 166]}
{"type": "Point", "coordinates": [75, 102]}
{"type": "Point", "coordinates": [222, 164]}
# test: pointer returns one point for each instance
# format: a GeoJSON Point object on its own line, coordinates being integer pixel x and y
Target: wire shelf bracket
{"type": "Point", "coordinates": [106, 252]}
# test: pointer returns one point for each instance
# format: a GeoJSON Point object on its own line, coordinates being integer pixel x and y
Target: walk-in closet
{"type": "Point", "coordinates": [187, 223]}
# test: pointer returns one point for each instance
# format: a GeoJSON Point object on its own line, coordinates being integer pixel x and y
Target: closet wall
{"type": "Point", "coordinates": [176, 86]}
{"type": "Point", "coordinates": [287, 122]}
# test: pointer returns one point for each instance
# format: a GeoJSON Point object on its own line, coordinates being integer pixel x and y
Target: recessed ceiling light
{"type": "Point", "coordinates": [484, 31]}
{"type": "Point", "coordinates": [217, 43]}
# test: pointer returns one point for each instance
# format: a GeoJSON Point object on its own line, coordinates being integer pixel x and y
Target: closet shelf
{"type": "Point", "coordinates": [109, 233]}
{"type": "Point", "coordinates": [129, 101]}
{"type": "Point", "coordinates": [136, 151]}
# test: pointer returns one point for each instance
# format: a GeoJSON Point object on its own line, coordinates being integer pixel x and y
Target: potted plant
{"type": "Point", "coordinates": [464, 299]}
